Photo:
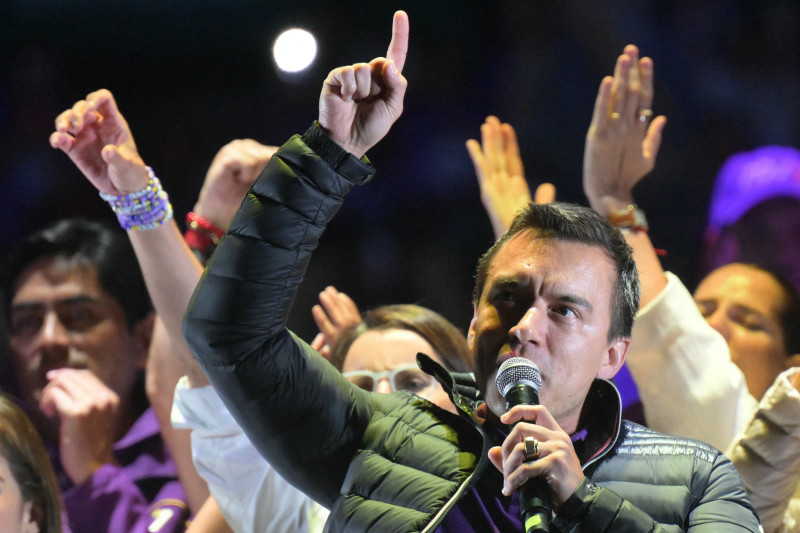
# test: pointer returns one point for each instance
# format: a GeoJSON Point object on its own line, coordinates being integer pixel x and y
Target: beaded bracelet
{"type": "Point", "coordinates": [145, 209]}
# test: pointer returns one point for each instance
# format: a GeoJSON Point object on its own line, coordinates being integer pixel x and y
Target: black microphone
{"type": "Point", "coordinates": [519, 382]}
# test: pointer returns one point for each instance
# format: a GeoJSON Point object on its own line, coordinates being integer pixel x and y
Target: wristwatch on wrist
{"type": "Point", "coordinates": [630, 218]}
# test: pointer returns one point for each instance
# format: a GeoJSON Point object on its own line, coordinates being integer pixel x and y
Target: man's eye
{"type": "Point", "coordinates": [78, 318]}
{"type": "Point", "coordinates": [26, 324]}
{"type": "Point", "coordinates": [507, 297]}
{"type": "Point", "coordinates": [564, 311]}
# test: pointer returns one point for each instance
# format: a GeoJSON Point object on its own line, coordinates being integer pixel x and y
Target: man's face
{"type": "Point", "coordinates": [61, 317]}
{"type": "Point", "coordinates": [744, 305]}
{"type": "Point", "coordinates": [548, 301]}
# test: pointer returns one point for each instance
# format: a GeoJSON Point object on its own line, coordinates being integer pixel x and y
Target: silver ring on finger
{"type": "Point", "coordinates": [531, 449]}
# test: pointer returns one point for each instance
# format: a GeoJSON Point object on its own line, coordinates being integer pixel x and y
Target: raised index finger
{"type": "Point", "coordinates": [398, 48]}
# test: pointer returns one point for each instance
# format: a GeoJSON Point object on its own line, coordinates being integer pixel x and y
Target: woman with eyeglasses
{"type": "Point", "coordinates": [379, 354]}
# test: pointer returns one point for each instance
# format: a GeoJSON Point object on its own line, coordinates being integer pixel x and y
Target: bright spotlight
{"type": "Point", "coordinates": [294, 50]}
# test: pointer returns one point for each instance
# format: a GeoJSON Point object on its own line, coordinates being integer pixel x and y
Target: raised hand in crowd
{"type": "Point", "coordinates": [621, 148]}
{"type": "Point", "coordinates": [233, 170]}
{"type": "Point", "coordinates": [357, 106]}
{"type": "Point", "coordinates": [335, 312]}
{"type": "Point", "coordinates": [359, 103]}
{"type": "Point", "coordinates": [622, 142]}
{"type": "Point", "coordinates": [501, 175]}
{"type": "Point", "coordinates": [96, 137]}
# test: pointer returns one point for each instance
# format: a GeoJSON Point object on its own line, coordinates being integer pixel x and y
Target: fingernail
{"type": "Point", "coordinates": [74, 122]}
{"type": "Point", "coordinates": [394, 68]}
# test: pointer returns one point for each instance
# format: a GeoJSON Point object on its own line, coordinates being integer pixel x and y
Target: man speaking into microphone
{"type": "Point", "coordinates": [559, 290]}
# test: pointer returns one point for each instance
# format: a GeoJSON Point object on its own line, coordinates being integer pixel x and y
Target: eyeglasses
{"type": "Point", "coordinates": [407, 377]}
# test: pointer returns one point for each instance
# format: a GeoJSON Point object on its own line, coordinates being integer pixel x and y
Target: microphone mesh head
{"type": "Point", "coordinates": [516, 371]}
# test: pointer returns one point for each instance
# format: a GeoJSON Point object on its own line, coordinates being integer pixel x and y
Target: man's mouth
{"type": "Point", "coordinates": [502, 358]}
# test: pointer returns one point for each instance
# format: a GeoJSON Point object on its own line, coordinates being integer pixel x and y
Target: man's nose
{"type": "Point", "coordinates": [53, 330]}
{"type": "Point", "coordinates": [53, 341]}
{"type": "Point", "coordinates": [720, 322]}
{"type": "Point", "coordinates": [383, 386]}
{"type": "Point", "coordinates": [530, 327]}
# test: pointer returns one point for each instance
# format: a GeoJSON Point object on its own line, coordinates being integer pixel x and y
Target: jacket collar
{"type": "Point", "coordinates": [602, 411]}
{"type": "Point", "coordinates": [601, 420]}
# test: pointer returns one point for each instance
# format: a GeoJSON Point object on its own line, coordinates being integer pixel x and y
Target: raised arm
{"type": "Point", "coordinates": [501, 175]}
{"type": "Point", "coordinates": [672, 348]}
{"type": "Point", "coordinates": [171, 272]}
{"type": "Point", "coordinates": [621, 148]}
{"type": "Point", "coordinates": [96, 137]}
{"type": "Point", "coordinates": [335, 312]}
{"type": "Point", "coordinates": [359, 103]}
{"type": "Point", "coordinates": [277, 387]}
{"type": "Point", "coordinates": [231, 174]}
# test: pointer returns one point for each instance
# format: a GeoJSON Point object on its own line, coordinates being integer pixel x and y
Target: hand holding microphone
{"type": "Point", "coordinates": [537, 458]}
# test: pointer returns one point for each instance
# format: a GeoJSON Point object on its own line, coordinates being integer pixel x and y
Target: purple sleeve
{"type": "Point", "coordinates": [111, 501]}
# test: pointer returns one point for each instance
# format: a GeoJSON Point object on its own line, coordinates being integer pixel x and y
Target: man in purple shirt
{"type": "Point", "coordinates": [80, 325]}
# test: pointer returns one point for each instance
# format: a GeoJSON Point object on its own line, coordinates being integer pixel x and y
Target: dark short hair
{"type": "Point", "coordinates": [30, 465]}
{"type": "Point", "coordinates": [449, 343]}
{"type": "Point", "coordinates": [89, 243]}
{"type": "Point", "coordinates": [574, 223]}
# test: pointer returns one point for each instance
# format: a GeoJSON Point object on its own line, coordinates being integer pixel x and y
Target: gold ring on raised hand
{"type": "Point", "coordinates": [645, 114]}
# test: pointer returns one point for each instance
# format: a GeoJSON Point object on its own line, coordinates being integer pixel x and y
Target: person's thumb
{"type": "Point", "coordinates": [127, 173]}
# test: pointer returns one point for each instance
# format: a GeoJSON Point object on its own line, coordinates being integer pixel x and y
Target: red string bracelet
{"type": "Point", "coordinates": [201, 234]}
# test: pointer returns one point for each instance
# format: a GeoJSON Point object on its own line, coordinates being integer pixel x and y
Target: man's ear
{"type": "Point", "coordinates": [614, 357]}
{"type": "Point", "coordinates": [143, 335]}
{"type": "Point", "coordinates": [471, 332]}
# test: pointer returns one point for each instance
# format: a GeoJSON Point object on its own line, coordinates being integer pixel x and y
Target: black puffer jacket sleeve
{"type": "Point", "coordinates": [300, 413]}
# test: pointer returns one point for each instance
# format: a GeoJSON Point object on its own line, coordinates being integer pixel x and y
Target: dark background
{"type": "Point", "coordinates": [191, 75]}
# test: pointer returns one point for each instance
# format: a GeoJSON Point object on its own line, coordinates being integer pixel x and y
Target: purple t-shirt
{"type": "Point", "coordinates": [141, 494]}
{"type": "Point", "coordinates": [484, 508]}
